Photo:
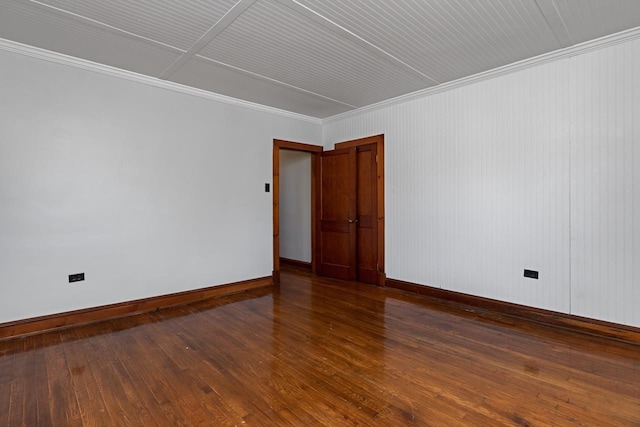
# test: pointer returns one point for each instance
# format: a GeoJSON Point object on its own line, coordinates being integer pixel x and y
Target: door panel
{"type": "Point", "coordinates": [337, 231]}
{"type": "Point", "coordinates": [366, 214]}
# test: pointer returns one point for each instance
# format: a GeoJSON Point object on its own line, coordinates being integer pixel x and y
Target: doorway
{"type": "Point", "coordinates": [295, 208]}
{"type": "Point", "coordinates": [348, 242]}
{"type": "Point", "coordinates": [314, 151]}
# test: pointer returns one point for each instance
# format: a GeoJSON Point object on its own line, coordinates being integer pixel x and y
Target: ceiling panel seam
{"type": "Point", "coordinates": [552, 16]}
{"type": "Point", "coordinates": [95, 23]}
{"type": "Point", "coordinates": [233, 14]}
{"type": "Point", "coordinates": [354, 38]}
{"type": "Point", "coordinates": [274, 81]}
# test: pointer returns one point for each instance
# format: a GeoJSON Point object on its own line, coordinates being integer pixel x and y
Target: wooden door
{"type": "Point", "coordinates": [348, 231]}
{"type": "Point", "coordinates": [337, 214]}
{"type": "Point", "coordinates": [366, 214]}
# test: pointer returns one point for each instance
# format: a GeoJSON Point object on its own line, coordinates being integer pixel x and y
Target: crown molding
{"type": "Point", "coordinates": [556, 55]}
{"type": "Point", "coordinates": [82, 64]}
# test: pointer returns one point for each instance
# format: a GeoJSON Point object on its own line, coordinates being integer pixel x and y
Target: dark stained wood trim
{"type": "Point", "coordinates": [276, 212]}
{"type": "Point", "coordinates": [315, 150]}
{"type": "Point", "coordinates": [297, 146]}
{"type": "Point", "coordinates": [315, 226]}
{"type": "Point", "coordinates": [68, 319]}
{"type": "Point", "coordinates": [382, 278]}
{"type": "Point", "coordinates": [609, 330]}
{"type": "Point", "coordinates": [379, 140]}
{"type": "Point", "coordinates": [296, 263]}
{"type": "Point", "coordinates": [381, 212]}
{"type": "Point", "coordinates": [361, 141]}
{"type": "Point", "coordinates": [314, 206]}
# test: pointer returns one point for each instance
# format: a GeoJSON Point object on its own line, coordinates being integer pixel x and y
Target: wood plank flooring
{"type": "Point", "coordinates": [318, 352]}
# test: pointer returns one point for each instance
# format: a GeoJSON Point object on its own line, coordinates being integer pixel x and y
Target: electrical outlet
{"type": "Point", "coordinates": [531, 274]}
{"type": "Point", "coordinates": [76, 277]}
{"type": "Point", "coordinates": [267, 187]}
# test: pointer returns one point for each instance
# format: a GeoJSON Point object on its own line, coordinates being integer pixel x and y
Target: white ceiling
{"type": "Point", "coordinates": [314, 57]}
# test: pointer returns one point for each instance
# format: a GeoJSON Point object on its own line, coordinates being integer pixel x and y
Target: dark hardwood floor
{"type": "Point", "coordinates": [318, 352]}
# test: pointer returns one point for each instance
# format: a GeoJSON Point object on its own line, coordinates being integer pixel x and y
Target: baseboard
{"type": "Point", "coordinates": [296, 263]}
{"type": "Point", "coordinates": [51, 322]}
{"type": "Point", "coordinates": [585, 325]}
{"type": "Point", "coordinates": [382, 279]}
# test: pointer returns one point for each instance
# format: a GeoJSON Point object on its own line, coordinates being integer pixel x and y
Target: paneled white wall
{"type": "Point", "coordinates": [295, 205]}
{"type": "Point", "coordinates": [146, 190]}
{"type": "Point", "coordinates": [530, 170]}
{"type": "Point", "coordinates": [605, 177]}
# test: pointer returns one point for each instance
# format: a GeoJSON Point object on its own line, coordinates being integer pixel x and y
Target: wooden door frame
{"type": "Point", "coordinates": [315, 151]}
{"type": "Point", "coordinates": [379, 141]}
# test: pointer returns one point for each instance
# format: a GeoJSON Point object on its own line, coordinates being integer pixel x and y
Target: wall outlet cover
{"type": "Point", "coordinates": [76, 277]}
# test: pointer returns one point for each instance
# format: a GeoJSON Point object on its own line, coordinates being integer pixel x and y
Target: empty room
{"type": "Point", "coordinates": [319, 212]}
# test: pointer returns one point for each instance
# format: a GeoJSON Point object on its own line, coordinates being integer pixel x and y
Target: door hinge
{"type": "Point", "coordinates": [376, 158]}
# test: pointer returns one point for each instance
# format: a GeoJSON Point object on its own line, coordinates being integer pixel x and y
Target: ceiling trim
{"type": "Point", "coordinates": [233, 14]}
{"type": "Point", "coordinates": [82, 64]}
{"type": "Point", "coordinates": [601, 43]}
{"type": "Point", "coordinates": [354, 38]}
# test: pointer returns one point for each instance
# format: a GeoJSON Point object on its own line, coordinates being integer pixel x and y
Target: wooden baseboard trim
{"type": "Point", "coordinates": [35, 325]}
{"type": "Point", "coordinates": [585, 325]}
{"type": "Point", "coordinates": [296, 263]}
{"type": "Point", "coordinates": [382, 279]}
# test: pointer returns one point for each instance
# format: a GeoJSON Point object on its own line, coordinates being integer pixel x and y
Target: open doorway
{"type": "Point", "coordinates": [296, 149]}
{"type": "Point", "coordinates": [295, 208]}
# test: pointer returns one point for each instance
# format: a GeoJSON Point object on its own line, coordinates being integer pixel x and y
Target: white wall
{"type": "Point", "coordinates": [146, 190]}
{"type": "Point", "coordinates": [537, 169]}
{"type": "Point", "coordinates": [605, 184]}
{"type": "Point", "coordinates": [295, 205]}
